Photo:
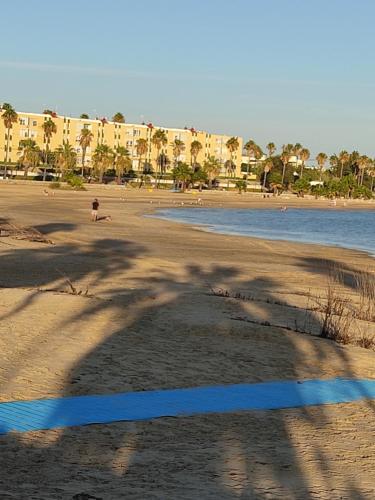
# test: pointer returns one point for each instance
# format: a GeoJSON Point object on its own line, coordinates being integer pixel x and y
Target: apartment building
{"type": "Point", "coordinates": [68, 129]}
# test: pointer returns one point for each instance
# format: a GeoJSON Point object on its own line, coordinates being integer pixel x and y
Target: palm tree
{"type": "Point", "coordinates": [271, 148]}
{"type": "Point", "coordinates": [343, 158]}
{"type": "Point", "coordinates": [321, 159]}
{"type": "Point", "coordinates": [178, 147]}
{"type": "Point", "coordinates": [118, 118]}
{"type": "Point", "coordinates": [334, 163]}
{"type": "Point", "coordinates": [141, 148]}
{"type": "Point", "coordinates": [258, 154]}
{"type": "Point", "coordinates": [102, 159]}
{"type": "Point", "coordinates": [267, 167]}
{"type": "Point", "coordinates": [123, 162]}
{"type": "Point", "coordinates": [363, 163]}
{"type": "Point", "coordinates": [200, 176]}
{"type": "Point", "coordinates": [304, 156]}
{"type": "Point", "coordinates": [232, 144]}
{"type": "Point", "coordinates": [85, 138]}
{"type": "Point", "coordinates": [65, 158]}
{"type": "Point", "coordinates": [159, 139]}
{"type": "Point", "coordinates": [297, 148]}
{"type": "Point", "coordinates": [195, 148]}
{"type": "Point", "coordinates": [30, 155]}
{"type": "Point", "coordinates": [49, 128]}
{"type": "Point", "coordinates": [182, 173]}
{"type": "Point", "coordinates": [212, 168]}
{"type": "Point", "coordinates": [285, 158]}
{"type": "Point", "coordinates": [252, 150]}
{"type": "Point", "coordinates": [371, 173]}
{"type": "Point", "coordinates": [9, 117]}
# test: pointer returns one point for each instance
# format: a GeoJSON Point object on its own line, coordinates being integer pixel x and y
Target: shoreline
{"type": "Point", "coordinates": [213, 229]}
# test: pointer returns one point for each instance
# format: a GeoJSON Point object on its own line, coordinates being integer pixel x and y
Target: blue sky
{"type": "Point", "coordinates": [280, 70]}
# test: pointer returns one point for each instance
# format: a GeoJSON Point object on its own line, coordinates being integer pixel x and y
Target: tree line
{"type": "Point", "coordinates": [341, 174]}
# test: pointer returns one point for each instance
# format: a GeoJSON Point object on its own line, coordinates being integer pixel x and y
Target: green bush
{"type": "Point", "coordinates": [241, 186]}
{"type": "Point", "coordinates": [362, 192]}
{"type": "Point", "coordinates": [74, 181]}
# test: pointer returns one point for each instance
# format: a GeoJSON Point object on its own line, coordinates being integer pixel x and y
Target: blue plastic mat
{"type": "Point", "coordinates": [24, 416]}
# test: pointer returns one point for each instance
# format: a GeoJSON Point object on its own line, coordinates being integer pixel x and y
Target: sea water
{"type": "Point", "coordinates": [344, 228]}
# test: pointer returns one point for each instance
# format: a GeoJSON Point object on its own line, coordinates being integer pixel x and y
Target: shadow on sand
{"type": "Point", "coordinates": [158, 344]}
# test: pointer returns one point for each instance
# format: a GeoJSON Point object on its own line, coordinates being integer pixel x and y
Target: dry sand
{"type": "Point", "coordinates": [152, 323]}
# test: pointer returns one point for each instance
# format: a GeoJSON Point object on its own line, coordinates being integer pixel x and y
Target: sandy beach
{"type": "Point", "coordinates": [149, 320]}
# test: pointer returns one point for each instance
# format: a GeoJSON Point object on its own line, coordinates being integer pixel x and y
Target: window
{"type": "Point", "coordinates": [23, 121]}
{"type": "Point", "coordinates": [24, 133]}
{"type": "Point", "coordinates": [136, 132]}
{"type": "Point", "coordinates": [33, 134]}
{"type": "Point", "coordinates": [129, 143]}
{"type": "Point", "coordinates": [35, 123]}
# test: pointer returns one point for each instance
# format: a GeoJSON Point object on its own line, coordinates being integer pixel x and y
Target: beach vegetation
{"type": "Point", "coordinates": [103, 159]}
{"type": "Point", "coordinates": [85, 138]}
{"type": "Point", "coordinates": [74, 181]}
{"type": "Point", "coordinates": [122, 162]}
{"type": "Point", "coordinates": [211, 167]}
{"type": "Point", "coordinates": [159, 140]}
{"type": "Point", "coordinates": [65, 158]}
{"type": "Point", "coordinates": [9, 117]}
{"type": "Point", "coordinates": [178, 147]}
{"type": "Point", "coordinates": [49, 129]}
{"type": "Point", "coordinates": [195, 149]}
{"type": "Point", "coordinates": [182, 175]}
{"type": "Point", "coordinates": [30, 155]}
{"type": "Point", "coordinates": [241, 185]}
{"type": "Point", "coordinates": [271, 148]}
{"type": "Point", "coordinates": [118, 118]}
{"type": "Point", "coordinates": [199, 176]}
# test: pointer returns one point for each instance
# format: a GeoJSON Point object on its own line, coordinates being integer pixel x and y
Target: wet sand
{"type": "Point", "coordinates": [150, 322]}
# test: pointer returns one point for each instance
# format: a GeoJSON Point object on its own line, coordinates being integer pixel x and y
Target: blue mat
{"type": "Point", "coordinates": [24, 416]}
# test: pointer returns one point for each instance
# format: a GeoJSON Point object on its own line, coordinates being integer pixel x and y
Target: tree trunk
{"type": "Point", "coordinates": [6, 155]}
{"type": "Point", "coordinates": [101, 173]}
{"type": "Point", "coordinates": [264, 180]}
{"type": "Point", "coordinates": [342, 169]}
{"type": "Point", "coordinates": [157, 169]}
{"type": "Point", "coordinates": [45, 163]}
{"type": "Point", "coordinates": [83, 162]}
{"type": "Point", "coordinates": [302, 165]}
{"type": "Point", "coordinates": [372, 182]}
{"type": "Point", "coordinates": [282, 178]}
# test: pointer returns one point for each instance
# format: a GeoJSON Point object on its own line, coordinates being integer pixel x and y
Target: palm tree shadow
{"type": "Point", "coordinates": [240, 455]}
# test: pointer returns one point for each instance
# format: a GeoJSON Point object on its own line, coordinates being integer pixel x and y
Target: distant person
{"type": "Point", "coordinates": [94, 211]}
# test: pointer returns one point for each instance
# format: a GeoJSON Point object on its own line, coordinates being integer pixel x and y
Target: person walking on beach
{"type": "Point", "coordinates": [94, 211]}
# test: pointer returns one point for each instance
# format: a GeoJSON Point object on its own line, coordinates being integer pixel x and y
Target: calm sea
{"type": "Point", "coordinates": [344, 228]}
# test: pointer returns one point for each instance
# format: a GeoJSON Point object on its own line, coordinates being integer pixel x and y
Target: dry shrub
{"type": "Point", "coordinates": [365, 287]}
{"type": "Point", "coordinates": [337, 317]}
{"type": "Point", "coordinates": [340, 309]}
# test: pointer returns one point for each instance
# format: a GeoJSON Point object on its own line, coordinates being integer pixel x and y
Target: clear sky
{"type": "Point", "coordinates": [270, 70]}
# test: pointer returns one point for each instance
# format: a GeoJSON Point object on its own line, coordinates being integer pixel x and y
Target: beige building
{"type": "Point", "coordinates": [30, 126]}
